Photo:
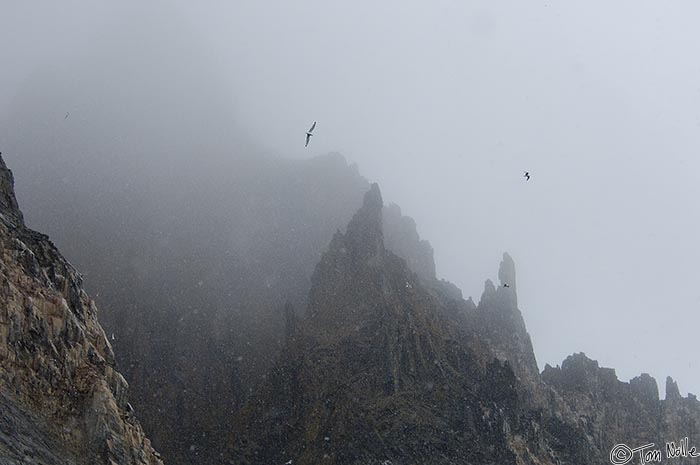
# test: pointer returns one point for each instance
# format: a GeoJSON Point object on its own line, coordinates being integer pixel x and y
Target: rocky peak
{"type": "Point", "coordinates": [354, 257]}
{"type": "Point", "coordinates": [505, 295]}
{"type": "Point", "coordinates": [644, 387]}
{"type": "Point", "coordinates": [580, 372]}
{"type": "Point", "coordinates": [364, 236]}
{"type": "Point", "coordinates": [471, 306]}
{"type": "Point", "coordinates": [379, 348]}
{"type": "Point", "coordinates": [489, 292]}
{"type": "Point", "coordinates": [501, 323]}
{"type": "Point", "coordinates": [8, 202]}
{"type": "Point", "coordinates": [672, 391]}
{"type": "Point", "coordinates": [506, 275]}
{"type": "Point", "coordinates": [584, 376]}
{"type": "Point", "coordinates": [506, 271]}
{"type": "Point", "coordinates": [384, 371]}
{"type": "Point", "coordinates": [613, 412]}
{"type": "Point", "coordinates": [402, 238]}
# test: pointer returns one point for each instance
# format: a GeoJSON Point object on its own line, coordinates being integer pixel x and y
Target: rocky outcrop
{"type": "Point", "coordinates": [62, 401]}
{"type": "Point", "coordinates": [192, 268]}
{"type": "Point", "coordinates": [8, 202]}
{"type": "Point", "coordinates": [382, 372]}
{"type": "Point", "coordinates": [386, 367]}
{"type": "Point", "coordinates": [605, 411]}
{"type": "Point", "coordinates": [401, 236]}
{"type": "Point", "coordinates": [500, 323]}
{"type": "Point", "coordinates": [672, 391]}
{"type": "Point", "coordinates": [372, 359]}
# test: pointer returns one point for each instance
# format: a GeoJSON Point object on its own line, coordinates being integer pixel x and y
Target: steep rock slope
{"type": "Point", "coordinates": [192, 266]}
{"type": "Point", "coordinates": [380, 371]}
{"type": "Point", "coordinates": [401, 237]}
{"type": "Point", "coordinates": [500, 323]}
{"type": "Point", "coordinates": [389, 368]}
{"type": "Point", "coordinates": [61, 399]}
{"type": "Point", "coordinates": [611, 412]}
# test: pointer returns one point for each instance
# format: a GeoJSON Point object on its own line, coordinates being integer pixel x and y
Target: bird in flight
{"type": "Point", "coordinates": [527, 175]}
{"type": "Point", "coordinates": [309, 134]}
{"type": "Point", "coordinates": [66, 117]}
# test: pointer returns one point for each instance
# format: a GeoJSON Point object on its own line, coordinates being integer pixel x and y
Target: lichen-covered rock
{"type": "Point", "coordinates": [61, 399]}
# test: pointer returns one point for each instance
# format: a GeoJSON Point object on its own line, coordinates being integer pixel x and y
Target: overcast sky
{"type": "Point", "coordinates": [445, 104]}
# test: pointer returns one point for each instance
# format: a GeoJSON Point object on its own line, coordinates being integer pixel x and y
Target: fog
{"type": "Point", "coordinates": [445, 104]}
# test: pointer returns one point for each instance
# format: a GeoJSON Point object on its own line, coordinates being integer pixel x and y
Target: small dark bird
{"type": "Point", "coordinates": [308, 134]}
{"type": "Point", "coordinates": [505, 285]}
{"type": "Point", "coordinates": [66, 117]}
{"type": "Point", "coordinates": [527, 175]}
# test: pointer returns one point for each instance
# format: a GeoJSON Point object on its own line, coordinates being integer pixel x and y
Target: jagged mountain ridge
{"type": "Point", "coordinates": [612, 412]}
{"type": "Point", "coordinates": [386, 369]}
{"type": "Point", "coordinates": [381, 372]}
{"type": "Point", "coordinates": [61, 397]}
{"type": "Point", "coordinates": [482, 402]}
{"type": "Point", "coordinates": [192, 284]}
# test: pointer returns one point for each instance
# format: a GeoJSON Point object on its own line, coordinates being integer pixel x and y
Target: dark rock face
{"type": "Point", "coordinates": [501, 324]}
{"type": "Point", "coordinates": [389, 368]}
{"type": "Point", "coordinates": [607, 412]}
{"type": "Point", "coordinates": [193, 283]}
{"type": "Point", "coordinates": [401, 236]}
{"type": "Point", "coordinates": [672, 392]}
{"type": "Point", "coordinates": [381, 372]}
{"type": "Point", "coordinates": [8, 201]}
{"type": "Point", "coordinates": [61, 399]}
{"type": "Point", "coordinates": [371, 361]}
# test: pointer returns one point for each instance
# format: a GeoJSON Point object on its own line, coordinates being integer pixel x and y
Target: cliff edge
{"type": "Point", "coordinates": [61, 397]}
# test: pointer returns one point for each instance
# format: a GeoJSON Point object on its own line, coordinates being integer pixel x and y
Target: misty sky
{"type": "Point", "coordinates": [445, 104]}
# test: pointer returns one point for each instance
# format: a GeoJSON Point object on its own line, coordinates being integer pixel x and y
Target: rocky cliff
{"type": "Point", "coordinates": [388, 368]}
{"type": "Point", "coordinates": [402, 238]}
{"type": "Point", "coordinates": [248, 345]}
{"type": "Point", "coordinates": [500, 323]}
{"type": "Point", "coordinates": [62, 401]}
{"type": "Point", "coordinates": [608, 412]}
{"type": "Point", "coordinates": [381, 371]}
{"type": "Point", "coordinates": [192, 269]}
